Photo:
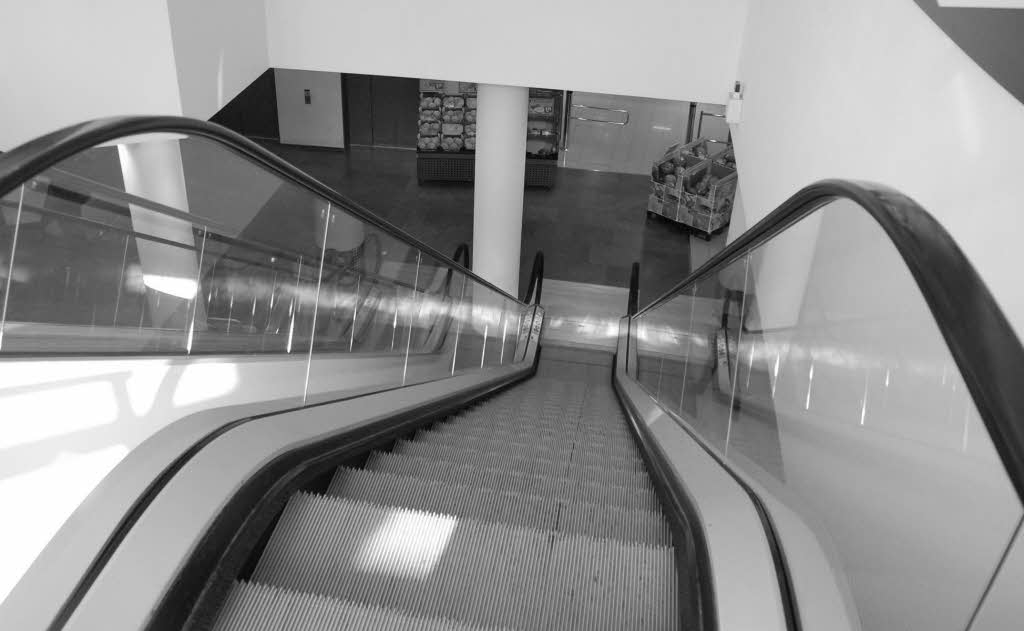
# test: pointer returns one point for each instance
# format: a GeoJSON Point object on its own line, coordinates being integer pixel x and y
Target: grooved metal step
{"type": "Point", "coordinates": [571, 452]}
{"type": "Point", "coordinates": [602, 428]}
{"type": "Point", "coordinates": [572, 491]}
{"type": "Point", "coordinates": [524, 463]}
{"type": "Point", "coordinates": [617, 448]}
{"type": "Point", "coordinates": [255, 607]}
{"type": "Point", "coordinates": [440, 566]}
{"type": "Point", "coordinates": [506, 507]}
{"type": "Point", "coordinates": [561, 428]}
{"type": "Point", "coordinates": [529, 510]}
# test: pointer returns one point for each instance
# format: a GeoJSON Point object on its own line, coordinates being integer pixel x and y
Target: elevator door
{"type": "Point", "coordinates": [624, 134]}
{"type": "Point", "coordinates": [382, 111]}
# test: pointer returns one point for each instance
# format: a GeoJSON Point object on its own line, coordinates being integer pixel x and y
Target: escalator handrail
{"type": "Point", "coordinates": [32, 158]}
{"type": "Point", "coordinates": [533, 290]}
{"type": "Point", "coordinates": [981, 340]}
{"type": "Point", "coordinates": [632, 304]}
{"type": "Point", "coordinates": [461, 251]}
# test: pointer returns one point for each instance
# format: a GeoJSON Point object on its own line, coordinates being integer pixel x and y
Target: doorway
{"type": "Point", "coordinates": [621, 134]}
{"type": "Point", "coordinates": [381, 111]}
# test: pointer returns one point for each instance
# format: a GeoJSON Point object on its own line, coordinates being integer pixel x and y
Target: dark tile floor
{"type": "Point", "coordinates": [591, 226]}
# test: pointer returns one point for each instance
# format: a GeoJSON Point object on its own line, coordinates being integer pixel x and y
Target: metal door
{"type": "Point", "coordinates": [623, 134]}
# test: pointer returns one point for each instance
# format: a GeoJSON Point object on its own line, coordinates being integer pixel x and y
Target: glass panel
{"type": "Point", "coordinates": [246, 299]}
{"type": "Point", "coordinates": [686, 350]}
{"type": "Point", "coordinates": [713, 361]}
{"type": "Point", "coordinates": [866, 377]}
{"type": "Point", "coordinates": [473, 326]}
{"type": "Point", "coordinates": [95, 276]}
{"type": "Point", "coordinates": [376, 259]}
{"type": "Point", "coordinates": [433, 305]}
{"type": "Point", "coordinates": [495, 330]}
{"type": "Point", "coordinates": [509, 331]}
{"type": "Point", "coordinates": [174, 246]}
{"type": "Point", "coordinates": [828, 384]}
{"type": "Point", "coordinates": [675, 342]}
{"type": "Point", "coordinates": [651, 327]}
{"type": "Point", "coordinates": [346, 284]}
{"type": "Point", "coordinates": [451, 325]}
{"type": "Point", "coordinates": [435, 322]}
{"type": "Point", "coordinates": [10, 222]}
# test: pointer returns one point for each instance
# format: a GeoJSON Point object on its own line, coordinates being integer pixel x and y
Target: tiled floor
{"type": "Point", "coordinates": [591, 226]}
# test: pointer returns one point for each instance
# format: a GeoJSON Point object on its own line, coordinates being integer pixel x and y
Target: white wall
{"type": "Point", "coordinates": [219, 49]}
{"type": "Point", "coordinates": [319, 123]}
{"type": "Point", "coordinates": [874, 90]}
{"type": "Point", "coordinates": [672, 49]}
{"type": "Point", "coordinates": [66, 61]}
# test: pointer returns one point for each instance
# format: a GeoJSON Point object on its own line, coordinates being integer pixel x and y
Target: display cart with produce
{"type": "Point", "coordinates": [727, 158]}
{"type": "Point", "coordinates": [447, 133]}
{"type": "Point", "coordinates": [694, 184]}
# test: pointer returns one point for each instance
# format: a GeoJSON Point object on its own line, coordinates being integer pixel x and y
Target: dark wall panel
{"type": "Point", "coordinates": [254, 111]}
{"type": "Point", "coordinates": [993, 38]}
{"type": "Point", "coordinates": [395, 111]}
{"type": "Point", "coordinates": [357, 90]}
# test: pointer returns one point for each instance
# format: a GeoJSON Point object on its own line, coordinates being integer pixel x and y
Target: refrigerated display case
{"type": "Point", "coordinates": [447, 140]}
{"type": "Point", "coordinates": [543, 127]}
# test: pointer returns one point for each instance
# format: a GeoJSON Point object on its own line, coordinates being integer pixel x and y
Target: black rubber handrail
{"type": "Point", "coordinates": [981, 340]}
{"type": "Point", "coordinates": [32, 158]}
{"type": "Point", "coordinates": [634, 289]}
{"type": "Point", "coordinates": [533, 290]}
{"type": "Point", "coordinates": [462, 251]}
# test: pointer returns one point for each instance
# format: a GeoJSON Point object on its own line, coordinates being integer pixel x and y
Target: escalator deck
{"type": "Point", "coordinates": [530, 510]}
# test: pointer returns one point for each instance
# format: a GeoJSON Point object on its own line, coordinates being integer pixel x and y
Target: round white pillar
{"type": "Point", "coordinates": [500, 175]}
{"type": "Point", "coordinates": [152, 169]}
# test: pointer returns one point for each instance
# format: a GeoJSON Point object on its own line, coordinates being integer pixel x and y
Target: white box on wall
{"type": "Point", "coordinates": [317, 121]}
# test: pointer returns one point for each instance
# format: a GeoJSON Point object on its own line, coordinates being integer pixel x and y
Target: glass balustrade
{"type": "Point", "coordinates": [812, 365]}
{"type": "Point", "coordinates": [168, 279]}
{"type": "Point", "coordinates": [173, 245]}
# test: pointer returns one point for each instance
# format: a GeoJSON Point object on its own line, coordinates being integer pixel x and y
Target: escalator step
{"type": "Point", "coordinates": [617, 445]}
{"type": "Point", "coordinates": [506, 507]}
{"type": "Point", "coordinates": [525, 463]}
{"type": "Point", "coordinates": [611, 522]}
{"type": "Point", "coordinates": [440, 566]}
{"type": "Point", "coordinates": [589, 432]}
{"type": "Point", "coordinates": [553, 451]}
{"type": "Point", "coordinates": [256, 607]}
{"type": "Point", "coordinates": [561, 488]}
{"type": "Point", "coordinates": [611, 588]}
{"type": "Point", "coordinates": [620, 446]}
{"type": "Point", "coordinates": [482, 504]}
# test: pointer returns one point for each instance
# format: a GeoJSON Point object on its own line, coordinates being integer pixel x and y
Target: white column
{"type": "Point", "coordinates": [152, 169]}
{"type": "Point", "coordinates": [498, 192]}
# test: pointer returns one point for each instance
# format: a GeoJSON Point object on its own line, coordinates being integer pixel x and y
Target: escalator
{"type": "Point", "coordinates": [801, 434]}
{"type": "Point", "coordinates": [530, 510]}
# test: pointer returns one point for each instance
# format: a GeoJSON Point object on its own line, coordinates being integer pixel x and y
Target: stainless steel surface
{"type": "Point", "coordinates": [604, 109]}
